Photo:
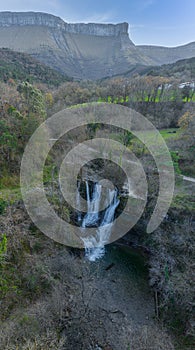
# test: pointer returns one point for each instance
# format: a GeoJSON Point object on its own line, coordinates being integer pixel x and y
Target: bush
{"type": "Point", "coordinates": [175, 159]}
{"type": "Point", "coordinates": [3, 205]}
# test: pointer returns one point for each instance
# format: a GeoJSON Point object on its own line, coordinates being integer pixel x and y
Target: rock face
{"type": "Point", "coordinates": [163, 55]}
{"type": "Point", "coordinates": [43, 19]}
{"type": "Point", "coordinates": [88, 51]}
{"type": "Point", "coordinates": [83, 51]}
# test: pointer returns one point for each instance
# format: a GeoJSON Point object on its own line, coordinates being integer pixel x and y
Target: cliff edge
{"type": "Point", "coordinates": [43, 19]}
{"type": "Point", "coordinates": [81, 50]}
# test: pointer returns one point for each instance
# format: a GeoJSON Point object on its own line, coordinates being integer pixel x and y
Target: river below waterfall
{"type": "Point", "coordinates": [101, 305]}
{"type": "Point", "coordinates": [122, 284]}
{"type": "Point", "coordinates": [115, 306]}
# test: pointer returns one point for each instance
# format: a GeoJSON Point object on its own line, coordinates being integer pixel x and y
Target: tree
{"type": "Point", "coordinates": [49, 99]}
{"type": "Point", "coordinates": [18, 124]}
{"type": "Point", "coordinates": [10, 133]}
{"type": "Point", "coordinates": [33, 100]}
{"type": "Point", "coordinates": [185, 120]}
{"type": "Point", "coordinates": [188, 93]}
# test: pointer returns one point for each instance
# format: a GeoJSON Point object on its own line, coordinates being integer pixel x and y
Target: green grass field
{"type": "Point", "coordinates": [152, 137]}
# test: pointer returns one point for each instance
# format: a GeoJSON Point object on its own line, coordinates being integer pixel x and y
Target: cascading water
{"type": "Point", "coordinates": [92, 216]}
{"type": "Point", "coordinates": [95, 245]}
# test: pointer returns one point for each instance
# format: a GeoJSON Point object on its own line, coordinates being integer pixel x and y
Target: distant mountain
{"type": "Point", "coordinates": [82, 51]}
{"type": "Point", "coordinates": [162, 55]}
{"type": "Point", "coordinates": [79, 50]}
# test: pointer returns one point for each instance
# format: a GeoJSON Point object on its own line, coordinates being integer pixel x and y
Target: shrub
{"type": "Point", "coordinates": [3, 205]}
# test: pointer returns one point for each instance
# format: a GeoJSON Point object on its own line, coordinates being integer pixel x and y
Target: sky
{"type": "Point", "coordinates": [151, 22]}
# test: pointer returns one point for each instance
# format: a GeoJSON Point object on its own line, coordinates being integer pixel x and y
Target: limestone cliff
{"type": "Point", "coordinates": [43, 19]}
{"type": "Point", "coordinates": [83, 51]}
{"type": "Point", "coordinates": [86, 51]}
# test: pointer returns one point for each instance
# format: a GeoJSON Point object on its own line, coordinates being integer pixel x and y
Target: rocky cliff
{"type": "Point", "coordinates": [83, 51]}
{"type": "Point", "coordinates": [43, 19]}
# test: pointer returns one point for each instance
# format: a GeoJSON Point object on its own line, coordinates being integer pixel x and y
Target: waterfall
{"type": "Point", "coordinates": [79, 219]}
{"type": "Point", "coordinates": [95, 245]}
{"type": "Point", "coordinates": [92, 216]}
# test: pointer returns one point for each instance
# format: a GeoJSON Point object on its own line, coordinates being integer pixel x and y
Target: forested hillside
{"type": "Point", "coordinates": [51, 295]}
{"type": "Point", "coordinates": [182, 69]}
{"type": "Point", "coordinates": [19, 66]}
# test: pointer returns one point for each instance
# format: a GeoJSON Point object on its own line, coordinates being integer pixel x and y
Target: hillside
{"type": "Point", "coordinates": [82, 51]}
{"type": "Point", "coordinates": [21, 67]}
{"type": "Point", "coordinates": [163, 55]}
{"type": "Point", "coordinates": [182, 69]}
{"type": "Point", "coordinates": [139, 293]}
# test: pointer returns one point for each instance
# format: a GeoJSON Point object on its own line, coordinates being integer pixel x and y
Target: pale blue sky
{"type": "Point", "coordinates": [158, 22]}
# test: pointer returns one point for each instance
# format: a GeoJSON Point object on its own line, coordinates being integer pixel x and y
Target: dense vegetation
{"type": "Point", "coordinates": [182, 69]}
{"type": "Point", "coordinates": [16, 66]}
{"type": "Point", "coordinates": [28, 96]}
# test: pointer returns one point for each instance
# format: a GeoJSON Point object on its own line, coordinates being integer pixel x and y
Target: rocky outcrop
{"type": "Point", "coordinates": [43, 19]}
{"type": "Point", "coordinates": [29, 18]}
{"type": "Point", "coordinates": [82, 51]}
{"type": "Point", "coordinates": [97, 29]}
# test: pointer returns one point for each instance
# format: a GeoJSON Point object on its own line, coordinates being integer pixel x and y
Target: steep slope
{"type": "Point", "coordinates": [82, 51]}
{"type": "Point", "coordinates": [182, 69]}
{"type": "Point", "coordinates": [21, 66]}
{"type": "Point", "coordinates": [79, 50]}
{"type": "Point", "coordinates": [162, 55]}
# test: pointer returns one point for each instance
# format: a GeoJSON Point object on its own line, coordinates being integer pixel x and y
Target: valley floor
{"type": "Point", "coordinates": [63, 301]}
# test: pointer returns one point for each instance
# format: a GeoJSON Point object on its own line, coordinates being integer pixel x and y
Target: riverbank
{"type": "Point", "coordinates": [56, 299]}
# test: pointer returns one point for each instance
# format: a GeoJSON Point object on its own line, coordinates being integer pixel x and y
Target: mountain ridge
{"type": "Point", "coordinates": [80, 50]}
{"type": "Point", "coordinates": [8, 18]}
{"type": "Point", "coordinates": [166, 55]}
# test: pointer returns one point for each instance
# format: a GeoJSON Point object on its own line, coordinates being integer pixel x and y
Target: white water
{"type": "Point", "coordinates": [92, 215]}
{"type": "Point", "coordinates": [78, 203]}
{"type": "Point", "coordinates": [95, 245]}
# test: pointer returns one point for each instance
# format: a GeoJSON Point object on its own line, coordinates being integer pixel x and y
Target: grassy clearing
{"type": "Point", "coordinates": [8, 181]}
{"type": "Point", "coordinates": [151, 138]}
{"type": "Point", "coordinates": [171, 133]}
{"type": "Point", "coordinates": [10, 195]}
